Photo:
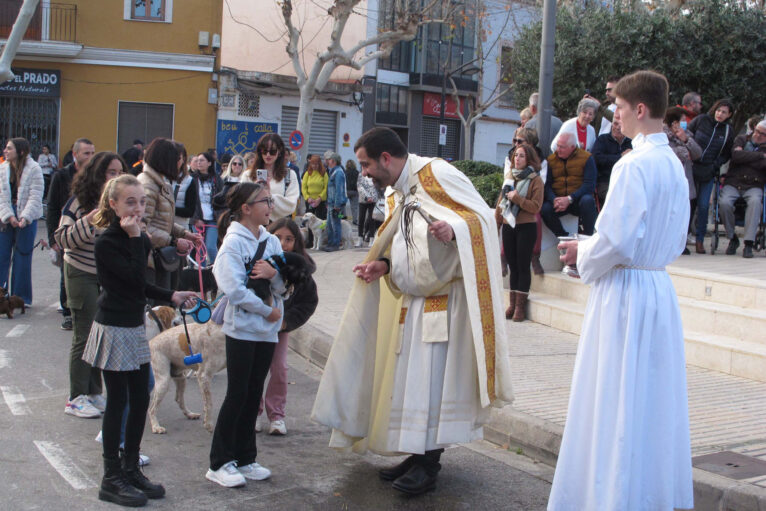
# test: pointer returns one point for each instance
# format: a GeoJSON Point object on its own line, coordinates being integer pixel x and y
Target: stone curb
{"type": "Point", "coordinates": [541, 440]}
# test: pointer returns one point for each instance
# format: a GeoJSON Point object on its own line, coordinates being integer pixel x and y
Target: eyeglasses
{"type": "Point", "coordinates": [272, 152]}
{"type": "Point", "coordinates": [518, 140]}
{"type": "Point", "coordinates": [268, 200]}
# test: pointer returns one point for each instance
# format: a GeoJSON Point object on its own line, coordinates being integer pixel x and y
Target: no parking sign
{"type": "Point", "coordinates": [295, 140]}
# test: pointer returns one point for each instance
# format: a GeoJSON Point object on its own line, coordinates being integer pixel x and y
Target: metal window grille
{"type": "Point", "coordinates": [249, 105]}
{"type": "Point", "coordinates": [429, 141]}
{"type": "Point", "coordinates": [35, 119]}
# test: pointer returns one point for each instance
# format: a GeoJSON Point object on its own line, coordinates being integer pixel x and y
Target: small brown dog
{"type": "Point", "coordinates": [8, 303]}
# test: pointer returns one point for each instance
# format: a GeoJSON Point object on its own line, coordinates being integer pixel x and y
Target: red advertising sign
{"type": "Point", "coordinates": [432, 103]}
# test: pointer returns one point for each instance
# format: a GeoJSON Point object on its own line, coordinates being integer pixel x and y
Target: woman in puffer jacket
{"type": "Point", "coordinates": [21, 204]}
{"type": "Point", "coordinates": [161, 167]}
{"type": "Point", "coordinates": [715, 136]}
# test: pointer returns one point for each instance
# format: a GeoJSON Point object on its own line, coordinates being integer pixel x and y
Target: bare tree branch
{"type": "Point", "coordinates": [17, 34]}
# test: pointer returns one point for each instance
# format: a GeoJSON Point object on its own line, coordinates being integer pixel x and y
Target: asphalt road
{"type": "Point", "coordinates": [49, 460]}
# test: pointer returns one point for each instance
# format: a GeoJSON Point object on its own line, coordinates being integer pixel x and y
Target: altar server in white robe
{"type": "Point", "coordinates": [421, 352]}
{"type": "Point", "coordinates": [626, 440]}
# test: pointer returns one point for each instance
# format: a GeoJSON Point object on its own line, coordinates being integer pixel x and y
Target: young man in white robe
{"type": "Point", "coordinates": [626, 439]}
{"type": "Point", "coordinates": [421, 352]}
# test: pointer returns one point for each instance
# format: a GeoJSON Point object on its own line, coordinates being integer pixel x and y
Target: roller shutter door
{"type": "Point", "coordinates": [324, 129]}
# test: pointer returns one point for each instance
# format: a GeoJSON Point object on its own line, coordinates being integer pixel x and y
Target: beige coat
{"type": "Point", "coordinates": [160, 210]}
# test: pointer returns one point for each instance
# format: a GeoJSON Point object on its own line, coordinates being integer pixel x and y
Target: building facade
{"type": "Point", "coordinates": [257, 88]}
{"type": "Point", "coordinates": [404, 90]}
{"type": "Point", "coordinates": [113, 72]}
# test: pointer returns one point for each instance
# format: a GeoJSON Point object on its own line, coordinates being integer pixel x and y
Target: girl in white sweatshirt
{"type": "Point", "coordinates": [251, 328]}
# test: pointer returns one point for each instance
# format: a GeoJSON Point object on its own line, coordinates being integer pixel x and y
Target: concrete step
{"type": "Point", "coordinates": [705, 346]}
{"type": "Point", "coordinates": [746, 293]}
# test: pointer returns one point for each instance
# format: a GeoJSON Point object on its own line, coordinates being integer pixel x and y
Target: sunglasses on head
{"type": "Point", "coordinates": [272, 152]}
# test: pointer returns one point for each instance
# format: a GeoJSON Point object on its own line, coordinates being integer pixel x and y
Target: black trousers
{"type": "Point", "coordinates": [365, 218]}
{"type": "Point", "coordinates": [62, 289]}
{"type": "Point", "coordinates": [234, 436]}
{"type": "Point", "coordinates": [518, 243]}
{"type": "Point", "coordinates": [123, 387]}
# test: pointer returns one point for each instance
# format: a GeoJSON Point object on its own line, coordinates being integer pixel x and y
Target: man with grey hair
{"type": "Point", "coordinates": [336, 200]}
{"type": "Point", "coordinates": [532, 123]}
{"type": "Point", "coordinates": [691, 104]}
{"type": "Point", "coordinates": [745, 178]}
{"type": "Point", "coordinates": [570, 186]}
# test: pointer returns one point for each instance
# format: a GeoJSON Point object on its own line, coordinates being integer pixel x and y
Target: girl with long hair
{"type": "Point", "coordinates": [250, 325]}
{"type": "Point", "coordinates": [209, 184]}
{"type": "Point", "coordinates": [117, 342]}
{"type": "Point", "coordinates": [270, 155]}
{"type": "Point", "coordinates": [314, 187]}
{"type": "Point", "coordinates": [517, 206]}
{"type": "Point", "coordinates": [21, 204]}
{"type": "Point", "coordinates": [298, 309]}
{"type": "Point", "coordinates": [77, 236]}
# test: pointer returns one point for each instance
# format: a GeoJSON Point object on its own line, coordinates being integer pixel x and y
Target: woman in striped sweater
{"type": "Point", "coordinates": [77, 236]}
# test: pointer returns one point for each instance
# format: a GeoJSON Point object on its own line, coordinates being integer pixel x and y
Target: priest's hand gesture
{"type": "Point", "coordinates": [570, 257]}
{"type": "Point", "coordinates": [371, 271]}
{"type": "Point", "coordinates": [442, 231]}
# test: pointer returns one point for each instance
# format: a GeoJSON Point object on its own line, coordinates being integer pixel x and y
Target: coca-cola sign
{"type": "Point", "coordinates": [432, 104]}
{"type": "Point", "coordinates": [33, 82]}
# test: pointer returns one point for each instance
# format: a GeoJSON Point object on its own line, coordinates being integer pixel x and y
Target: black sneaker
{"type": "Point", "coordinates": [733, 246]}
{"type": "Point", "coordinates": [747, 252]}
{"type": "Point", "coordinates": [67, 323]}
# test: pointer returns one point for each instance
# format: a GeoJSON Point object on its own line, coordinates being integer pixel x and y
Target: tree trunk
{"type": "Point", "coordinates": [305, 111]}
{"type": "Point", "coordinates": [17, 34]}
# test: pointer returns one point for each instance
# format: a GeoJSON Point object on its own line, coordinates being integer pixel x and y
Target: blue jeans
{"type": "Point", "coordinates": [333, 228]}
{"type": "Point", "coordinates": [704, 190]}
{"type": "Point", "coordinates": [16, 246]}
{"type": "Point", "coordinates": [127, 409]}
{"type": "Point", "coordinates": [211, 240]}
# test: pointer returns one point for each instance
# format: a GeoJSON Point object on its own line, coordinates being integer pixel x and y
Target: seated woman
{"type": "Point", "coordinates": [580, 125]}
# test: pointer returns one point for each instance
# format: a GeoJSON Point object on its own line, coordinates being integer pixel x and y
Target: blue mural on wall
{"type": "Point", "coordinates": [239, 137]}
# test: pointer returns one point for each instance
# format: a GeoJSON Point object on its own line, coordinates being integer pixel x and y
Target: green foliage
{"type": "Point", "coordinates": [711, 47]}
{"type": "Point", "coordinates": [476, 168]}
{"type": "Point", "coordinates": [488, 186]}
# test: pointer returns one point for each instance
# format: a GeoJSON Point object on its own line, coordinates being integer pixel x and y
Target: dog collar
{"type": "Point", "coordinates": [272, 261]}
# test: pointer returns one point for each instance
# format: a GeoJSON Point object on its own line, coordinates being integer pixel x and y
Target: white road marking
{"type": "Point", "coordinates": [17, 331]}
{"type": "Point", "coordinates": [15, 400]}
{"type": "Point", "coordinates": [45, 384]}
{"type": "Point", "coordinates": [59, 460]}
{"type": "Point", "coordinates": [5, 360]}
{"type": "Point", "coordinates": [55, 305]}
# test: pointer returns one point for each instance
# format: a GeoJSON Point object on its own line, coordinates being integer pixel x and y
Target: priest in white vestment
{"type": "Point", "coordinates": [626, 439]}
{"type": "Point", "coordinates": [421, 352]}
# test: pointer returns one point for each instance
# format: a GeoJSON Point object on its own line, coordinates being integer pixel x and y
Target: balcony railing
{"type": "Point", "coordinates": [51, 21]}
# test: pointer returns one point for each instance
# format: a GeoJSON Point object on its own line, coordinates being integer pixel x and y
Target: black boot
{"type": "Point", "coordinates": [137, 478]}
{"type": "Point", "coordinates": [389, 474]}
{"type": "Point", "coordinates": [116, 488]}
{"type": "Point", "coordinates": [421, 478]}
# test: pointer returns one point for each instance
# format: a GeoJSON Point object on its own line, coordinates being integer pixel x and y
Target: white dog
{"type": "Point", "coordinates": [168, 350]}
{"type": "Point", "coordinates": [318, 229]}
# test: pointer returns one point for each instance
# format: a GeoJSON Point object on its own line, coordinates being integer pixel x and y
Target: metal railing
{"type": "Point", "coordinates": [51, 22]}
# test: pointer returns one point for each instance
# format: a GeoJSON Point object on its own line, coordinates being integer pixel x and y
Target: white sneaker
{"type": "Point", "coordinates": [277, 428]}
{"type": "Point", "coordinates": [227, 476]}
{"type": "Point", "coordinates": [358, 243]}
{"type": "Point", "coordinates": [99, 438]}
{"type": "Point", "coordinates": [143, 460]}
{"type": "Point", "coordinates": [98, 401]}
{"type": "Point", "coordinates": [258, 426]}
{"type": "Point", "coordinates": [255, 471]}
{"type": "Point", "coordinates": [691, 239]}
{"type": "Point", "coordinates": [81, 407]}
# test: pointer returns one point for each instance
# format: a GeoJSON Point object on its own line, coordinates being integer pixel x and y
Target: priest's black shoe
{"type": "Point", "coordinates": [391, 473]}
{"type": "Point", "coordinates": [418, 480]}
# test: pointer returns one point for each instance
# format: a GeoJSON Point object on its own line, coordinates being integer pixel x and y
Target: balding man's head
{"type": "Point", "coordinates": [533, 100]}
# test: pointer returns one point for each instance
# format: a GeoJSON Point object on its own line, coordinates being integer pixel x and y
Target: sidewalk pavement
{"type": "Point", "coordinates": [726, 412]}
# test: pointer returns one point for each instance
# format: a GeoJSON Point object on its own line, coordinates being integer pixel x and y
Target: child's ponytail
{"type": "Point", "coordinates": [105, 214]}
{"type": "Point", "coordinates": [239, 195]}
